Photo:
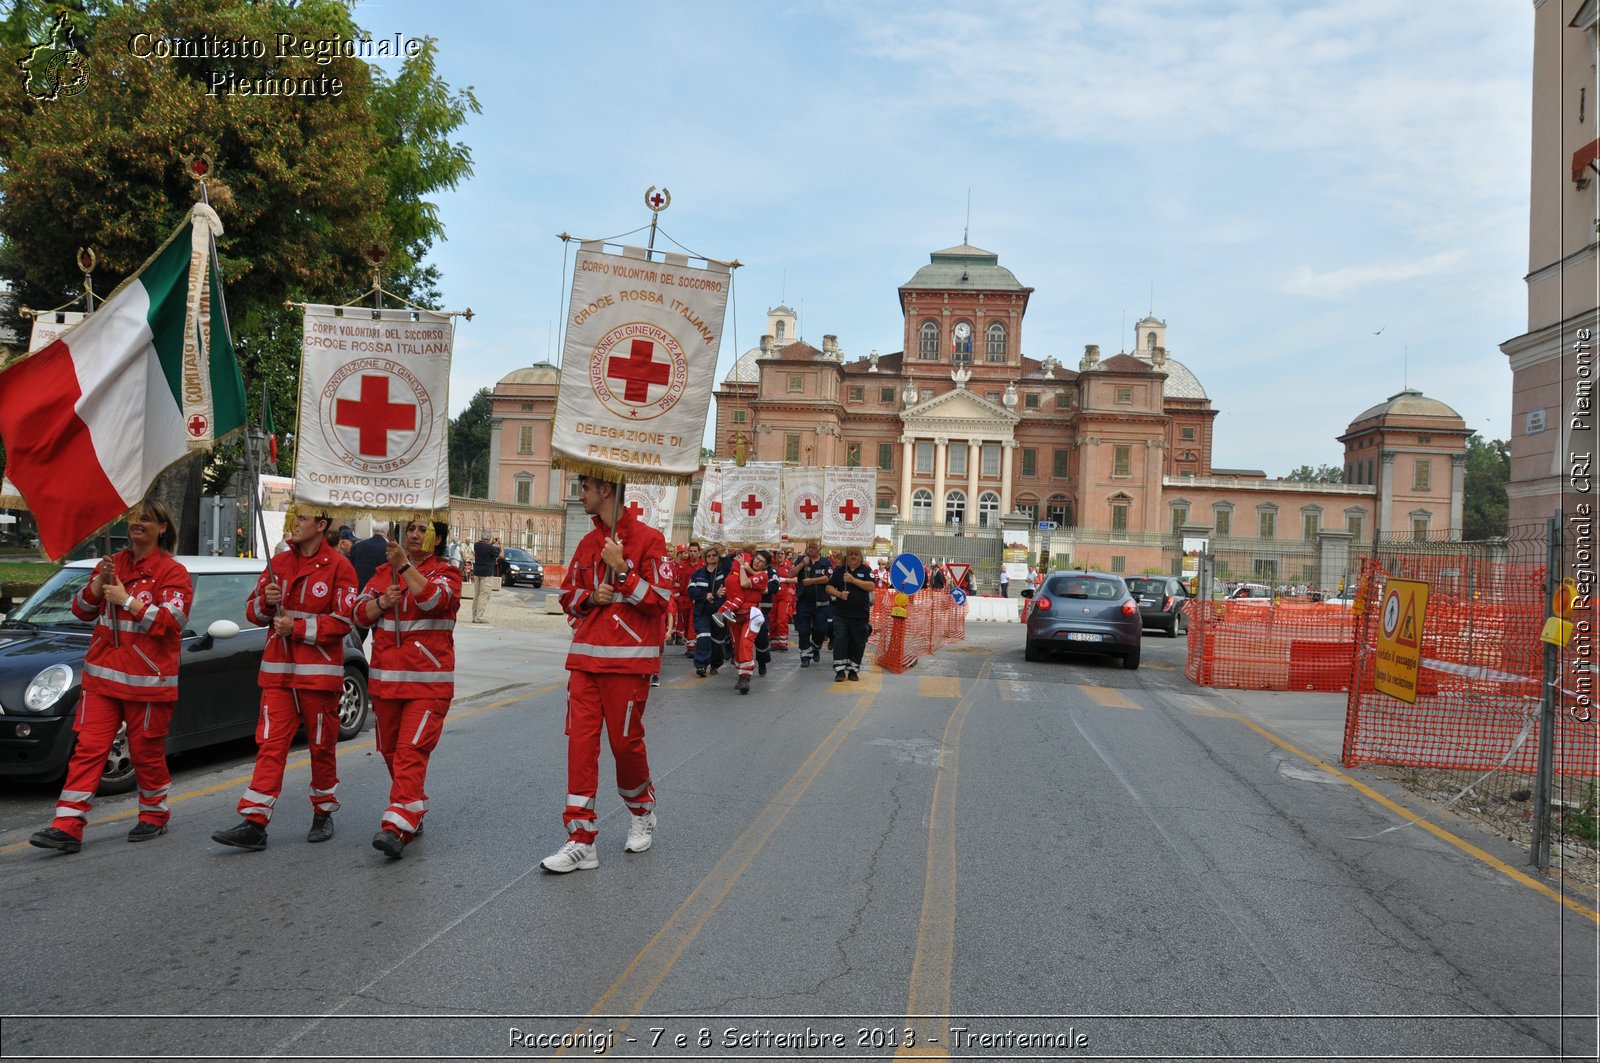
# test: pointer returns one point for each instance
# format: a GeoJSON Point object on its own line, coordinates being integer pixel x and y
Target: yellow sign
{"type": "Point", "coordinates": [1405, 606]}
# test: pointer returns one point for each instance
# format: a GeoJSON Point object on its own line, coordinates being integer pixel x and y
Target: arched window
{"type": "Point", "coordinates": [928, 341]}
{"type": "Point", "coordinates": [1028, 506]}
{"type": "Point", "coordinates": [777, 332]}
{"type": "Point", "coordinates": [955, 507]}
{"type": "Point", "coordinates": [922, 505]}
{"type": "Point", "coordinates": [1059, 509]}
{"type": "Point", "coordinates": [989, 509]}
{"type": "Point", "coordinates": [1150, 341]}
{"type": "Point", "coordinates": [995, 347]}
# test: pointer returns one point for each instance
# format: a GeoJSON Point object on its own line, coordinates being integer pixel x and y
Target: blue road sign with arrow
{"type": "Point", "coordinates": [958, 596]}
{"type": "Point", "coordinates": [907, 573]}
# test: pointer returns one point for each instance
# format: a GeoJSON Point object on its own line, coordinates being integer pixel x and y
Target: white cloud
{"type": "Point", "coordinates": [1337, 283]}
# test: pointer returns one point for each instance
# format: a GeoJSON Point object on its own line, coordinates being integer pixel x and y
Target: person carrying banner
{"type": "Point", "coordinates": [304, 595]}
{"type": "Point", "coordinates": [139, 602]}
{"type": "Point", "coordinates": [410, 604]}
{"type": "Point", "coordinates": [705, 597]}
{"type": "Point", "coordinates": [851, 588]}
{"type": "Point", "coordinates": [617, 594]}
{"type": "Point", "coordinates": [746, 586]}
{"type": "Point", "coordinates": [813, 616]}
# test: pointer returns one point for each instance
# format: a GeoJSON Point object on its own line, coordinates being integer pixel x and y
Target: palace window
{"type": "Point", "coordinates": [1180, 517]}
{"type": "Point", "coordinates": [1119, 519]}
{"type": "Point", "coordinates": [1030, 401]}
{"type": "Point", "coordinates": [797, 383]}
{"type": "Point", "coordinates": [928, 342]}
{"type": "Point", "coordinates": [1352, 524]}
{"type": "Point", "coordinates": [1028, 506]}
{"type": "Point", "coordinates": [741, 416]}
{"type": "Point", "coordinates": [1266, 524]}
{"type": "Point", "coordinates": [955, 507]}
{"type": "Point", "coordinates": [958, 458]}
{"type": "Point", "coordinates": [1058, 463]}
{"type": "Point", "coordinates": [1310, 524]}
{"type": "Point", "coordinates": [1419, 526]}
{"type": "Point", "coordinates": [886, 396]}
{"type": "Point", "coordinates": [1059, 509]}
{"type": "Point", "coordinates": [1124, 396]}
{"type": "Point", "coordinates": [1422, 479]}
{"type": "Point", "coordinates": [991, 459]}
{"type": "Point", "coordinates": [525, 439]}
{"type": "Point", "coordinates": [1030, 461]}
{"type": "Point", "coordinates": [925, 458]}
{"type": "Point", "coordinates": [989, 509]}
{"type": "Point", "coordinates": [1222, 521]}
{"type": "Point", "coordinates": [791, 447]}
{"type": "Point", "coordinates": [922, 505]}
{"type": "Point", "coordinates": [857, 393]}
{"type": "Point", "coordinates": [1122, 460]}
{"type": "Point", "coordinates": [886, 456]}
{"type": "Point", "coordinates": [995, 349]}
{"type": "Point", "coordinates": [1187, 433]}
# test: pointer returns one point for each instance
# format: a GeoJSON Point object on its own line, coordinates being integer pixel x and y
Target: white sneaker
{"type": "Point", "coordinates": [641, 832]}
{"type": "Point", "coordinates": [573, 856]}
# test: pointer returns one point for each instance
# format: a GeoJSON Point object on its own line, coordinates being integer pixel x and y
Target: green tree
{"type": "Point", "coordinates": [305, 184]}
{"type": "Point", "coordinates": [1322, 474]}
{"type": "Point", "coordinates": [1485, 511]}
{"type": "Point", "coordinates": [469, 447]}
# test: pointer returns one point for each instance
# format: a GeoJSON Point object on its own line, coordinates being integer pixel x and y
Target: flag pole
{"type": "Point", "coordinates": [86, 263]}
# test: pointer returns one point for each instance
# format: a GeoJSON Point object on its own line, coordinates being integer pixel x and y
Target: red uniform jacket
{"type": "Point", "coordinates": [317, 592]}
{"type": "Point", "coordinates": [623, 638]}
{"type": "Point", "coordinates": [423, 664]}
{"type": "Point", "coordinates": [144, 665]}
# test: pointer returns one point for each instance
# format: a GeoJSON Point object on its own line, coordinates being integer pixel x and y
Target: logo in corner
{"type": "Point", "coordinates": [55, 68]}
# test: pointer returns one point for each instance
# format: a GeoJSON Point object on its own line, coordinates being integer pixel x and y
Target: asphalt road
{"type": "Point", "coordinates": [1061, 860]}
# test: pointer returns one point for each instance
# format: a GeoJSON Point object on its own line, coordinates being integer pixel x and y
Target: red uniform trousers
{"type": "Point", "coordinates": [408, 731]}
{"type": "Point", "coordinates": [618, 702]}
{"type": "Point", "coordinates": [743, 637]}
{"type": "Point", "coordinates": [282, 711]}
{"type": "Point", "coordinates": [683, 608]}
{"type": "Point", "coordinates": [782, 611]}
{"type": "Point", "coordinates": [99, 718]}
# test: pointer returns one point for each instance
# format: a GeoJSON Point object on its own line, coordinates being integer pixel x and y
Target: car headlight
{"type": "Point", "coordinates": [48, 687]}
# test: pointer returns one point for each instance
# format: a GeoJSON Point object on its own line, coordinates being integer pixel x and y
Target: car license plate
{"type": "Point", "coordinates": [1082, 636]}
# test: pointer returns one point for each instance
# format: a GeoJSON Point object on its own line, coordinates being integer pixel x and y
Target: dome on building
{"type": "Point", "coordinates": [745, 370]}
{"type": "Point", "coordinates": [1181, 382]}
{"type": "Point", "coordinates": [965, 266]}
{"type": "Point", "coordinates": [538, 373]}
{"type": "Point", "coordinates": [1408, 404]}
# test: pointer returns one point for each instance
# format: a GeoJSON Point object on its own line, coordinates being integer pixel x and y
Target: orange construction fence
{"type": "Point", "coordinates": [1253, 644]}
{"type": "Point", "coordinates": [933, 620]}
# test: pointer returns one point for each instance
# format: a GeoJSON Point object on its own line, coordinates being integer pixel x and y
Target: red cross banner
{"type": "Point", "coordinates": [374, 427]}
{"type": "Point", "coordinates": [638, 365]}
{"type": "Point", "coordinates": [847, 506]}
{"type": "Point", "coordinates": [708, 513]}
{"type": "Point", "coordinates": [802, 503]}
{"type": "Point", "coordinates": [752, 501]}
{"type": "Point", "coordinates": [653, 504]}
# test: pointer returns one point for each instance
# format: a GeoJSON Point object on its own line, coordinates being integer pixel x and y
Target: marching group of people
{"type": "Point", "coordinates": [625, 595]}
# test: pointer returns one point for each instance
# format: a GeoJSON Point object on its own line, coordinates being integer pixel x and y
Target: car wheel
{"type": "Point", "coordinates": [353, 704]}
{"type": "Point", "coordinates": [1030, 652]}
{"type": "Point", "coordinates": [509, 581]}
{"type": "Point", "coordinates": [1176, 628]}
{"type": "Point", "coordinates": [119, 777]}
{"type": "Point", "coordinates": [1130, 660]}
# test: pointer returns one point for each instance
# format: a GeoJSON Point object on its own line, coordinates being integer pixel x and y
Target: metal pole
{"type": "Point", "coordinates": [1544, 777]}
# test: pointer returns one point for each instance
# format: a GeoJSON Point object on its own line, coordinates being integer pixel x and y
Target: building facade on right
{"type": "Point", "coordinates": [1552, 363]}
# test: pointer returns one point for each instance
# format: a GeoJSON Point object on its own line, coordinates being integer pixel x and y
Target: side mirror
{"type": "Point", "coordinates": [223, 629]}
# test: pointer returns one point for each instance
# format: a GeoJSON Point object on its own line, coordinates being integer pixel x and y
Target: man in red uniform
{"type": "Point", "coordinates": [304, 596]}
{"type": "Point", "coordinates": [688, 561]}
{"type": "Point", "coordinates": [617, 596]}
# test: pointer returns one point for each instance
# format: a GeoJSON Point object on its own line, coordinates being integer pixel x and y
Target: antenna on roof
{"type": "Point", "coordinates": [967, 228]}
{"type": "Point", "coordinates": [1124, 330]}
{"type": "Point", "coordinates": [783, 290]}
{"type": "Point", "coordinates": [1152, 297]}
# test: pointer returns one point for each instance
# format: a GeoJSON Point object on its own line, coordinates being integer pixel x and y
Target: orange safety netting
{"type": "Point", "coordinates": [1292, 644]}
{"type": "Point", "coordinates": [933, 620]}
{"type": "Point", "coordinates": [1479, 687]}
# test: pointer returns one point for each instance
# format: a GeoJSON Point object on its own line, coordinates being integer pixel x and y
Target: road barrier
{"type": "Point", "coordinates": [1291, 644]}
{"type": "Point", "coordinates": [933, 620]}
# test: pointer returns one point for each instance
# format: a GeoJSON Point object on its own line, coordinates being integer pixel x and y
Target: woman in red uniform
{"type": "Point", "coordinates": [139, 602]}
{"type": "Point", "coordinates": [410, 604]}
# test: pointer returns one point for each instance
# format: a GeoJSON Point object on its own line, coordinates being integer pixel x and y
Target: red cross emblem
{"type": "Point", "coordinates": [647, 380]}
{"type": "Point", "coordinates": [373, 416]}
{"type": "Point", "coordinates": [635, 509]}
{"type": "Point", "coordinates": [638, 371]}
{"type": "Point", "coordinates": [751, 505]}
{"type": "Point", "coordinates": [849, 510]}
{"type": "Point", "coordinates": [197, 426]}
{"type": "Point", "coordinates": [808, 508]}
{"type": "Point", "coordinates": [657, 200]}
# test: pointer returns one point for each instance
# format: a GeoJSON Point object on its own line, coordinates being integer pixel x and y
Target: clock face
{"type": "Point", "coordinates": [963, 330]}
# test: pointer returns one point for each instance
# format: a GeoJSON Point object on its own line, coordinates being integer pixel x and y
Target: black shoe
{"type": "Point", "coordinates": [743, 685]}
{"type": "Point", "coordinates": [247, 835]}
{"type": "Point", "coordinates": [713, 669]}
{"type": "Point", "coordinates": [655, 680]}
{"type": "Point", "coordinates": [321, 827]}
{"type": "Point", "coordinates": [805, 662]}
{"type": "Point", "coordinates": [761, 669]}
{"type": "Point", "coordinates": [701, 672]}
{"type": "Point", "coordinates": [389, 844]}
{"type": "Point", "coordinates": [838, 677]}
{"type": "Point", "coordinates": [55, 838]}
{"type": "Point", "coordinates": [143, 832]}
{"type": "Point", "coordinates": [855, 677]}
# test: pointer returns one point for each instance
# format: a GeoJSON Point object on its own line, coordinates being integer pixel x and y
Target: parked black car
{"type": "Point", "coordinates": [41, 666]}
{"type": "Point", "coordinates": [519, 566]}
{"type": "Point", "coordinates": [1163, 602]}
{"type": "Point", "coordinates": [1084, 612]}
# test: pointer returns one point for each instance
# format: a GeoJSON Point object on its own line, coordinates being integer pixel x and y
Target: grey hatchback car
{"type": "Point", "coordinates": [1084, 612]}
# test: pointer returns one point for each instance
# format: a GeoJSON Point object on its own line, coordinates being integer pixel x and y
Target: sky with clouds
{"type": "Point", "coordinates": [1324, 201]}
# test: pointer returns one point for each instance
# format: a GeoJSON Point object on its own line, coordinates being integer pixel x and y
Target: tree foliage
{"type": "Point", "coordinates": [1485, 509]}
{"type": "Point", "coordinates": [469, 447]}
{"type": "Point", "coordinates": [1322, 474]}
{"type": "Point", "coordinates": [304, 184]}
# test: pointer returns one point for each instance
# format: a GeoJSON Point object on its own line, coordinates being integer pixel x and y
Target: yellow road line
{"type": "Point", "coordinates": [1433, 829]}
{"type": "Point", "coordinates": [640, 979]}
{"type": "Point", "coordinates": [1108, 697]}
{"type": "Point", "coordinates": [294, 764]}
{"type": "Point", "coordinates": [933, 964]}
{"type": "Point", "coordinates": [938, 686]}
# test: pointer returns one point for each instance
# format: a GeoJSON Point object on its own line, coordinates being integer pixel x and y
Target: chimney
{"type": "Point", "coordinates": [1091, 357]}
{"type": "Point", "coordinates": [830, 347]}
{"type": "Point", "coordinates": [766, 345]}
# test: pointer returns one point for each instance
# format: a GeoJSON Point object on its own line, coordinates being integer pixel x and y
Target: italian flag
{"type": "Point", "coordinates": [92, 419]}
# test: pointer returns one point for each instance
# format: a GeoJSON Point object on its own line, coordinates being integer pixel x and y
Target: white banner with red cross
{"type": "Point", "coordinates": [847, 501]}
{"type": "Point", "coordinates": [708, 513]}
{"type": "Point", "coordinates": [653, 504]}
{"type": "Point", "coordinates": [638, 365]}
{"type": "Point", "coordinates": [752, 503]}
{"type": "Point", "coordinates": [374, 418]}
{"type": "Point", "coordinates": [802, 502]}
